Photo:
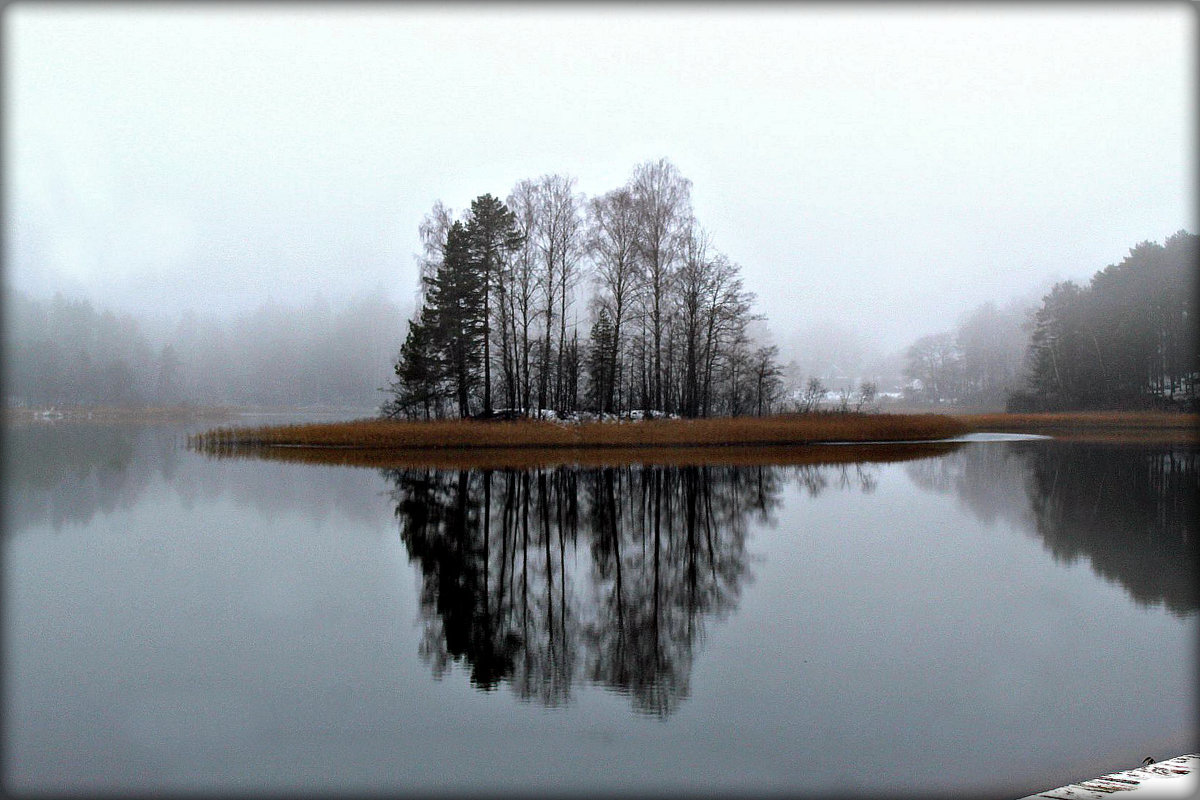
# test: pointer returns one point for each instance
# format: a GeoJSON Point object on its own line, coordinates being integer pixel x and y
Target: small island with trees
{"type": "Point", "coordinates": [494, 357]}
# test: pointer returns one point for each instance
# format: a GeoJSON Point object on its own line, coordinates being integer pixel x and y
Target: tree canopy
{"type": "Point", "coordinates": [665, 313]}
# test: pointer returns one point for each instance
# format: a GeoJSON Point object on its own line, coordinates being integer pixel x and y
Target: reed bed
{"type": "Point", "coordinates": [542, 457]}
{"type": "Point", "coordinates": [374, 434]}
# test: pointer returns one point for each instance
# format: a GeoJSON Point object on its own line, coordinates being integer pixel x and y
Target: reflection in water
{"type": "Point", "coordinates": [68, 474]}
{"type": "Point", "coordinates": [543, 578]}
{"type": "Point", "coordinates": [1129, 510]}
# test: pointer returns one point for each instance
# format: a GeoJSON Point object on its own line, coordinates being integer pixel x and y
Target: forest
{"type": "Point", "coordinates": [1124, 341]}
{"type": "Point", "coordinates": [505, 289]}
{"type": "Point", "coordinates": [66, 352]}
{"type": "Point", "coordinates": [551, 303]}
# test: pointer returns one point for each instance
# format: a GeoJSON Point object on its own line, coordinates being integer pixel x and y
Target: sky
{"type": "Point", "coordinates": [883, 167]}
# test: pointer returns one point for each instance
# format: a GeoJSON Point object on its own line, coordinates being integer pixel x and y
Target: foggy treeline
{"type": "Point", "coordinates": [62, 352]}
{"type": "Point", "coordinates": [978, 363]}
{"type": "Point", "coordinates": [613, 304]}
{"type": "Point", "coordinates": [1125, 340]}
{"type": "Point", "coordinates": [555, 301]}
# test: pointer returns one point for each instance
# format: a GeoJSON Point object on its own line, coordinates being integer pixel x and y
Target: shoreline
{"type": "Point", "coordinates": [791, 439]}
{"type": "Point", "coordinates": [794, 430]}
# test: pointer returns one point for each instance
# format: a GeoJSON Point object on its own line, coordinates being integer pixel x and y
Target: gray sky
{"type": "Point", "coordinates": [886, 165]}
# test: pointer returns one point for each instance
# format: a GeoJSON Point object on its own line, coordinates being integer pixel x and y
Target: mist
{"type": "Point", "coordinates": [65, 351]}
{"type": "Point", "coordinates": [242, 177]}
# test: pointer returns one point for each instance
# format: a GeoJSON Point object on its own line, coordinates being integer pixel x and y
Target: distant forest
{"type": "Point", "coordinates": [1127, 340]}
{"type": "Point", "coordinates": [62, 353]}
{"type": "Point", "coordinates": [612, 304]}
{"type": "Point", "coordinates": [507, 287]}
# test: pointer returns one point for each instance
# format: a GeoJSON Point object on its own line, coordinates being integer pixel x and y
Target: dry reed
{"type": "Point", "coordinates": [739, 431]}
{"type": "Point", "coordinates": [537, 457]}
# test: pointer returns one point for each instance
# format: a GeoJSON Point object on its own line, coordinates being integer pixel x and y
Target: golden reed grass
{"type": "Point", "coordinates": [738, 431]}
{"type": "Point", "coordinates": [544, 457]}
{"type": "Point", "coordinates": [782, 440]}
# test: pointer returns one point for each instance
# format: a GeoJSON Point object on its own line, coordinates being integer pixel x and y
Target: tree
{"type": "Point", "coordinates": [432, 231]}
{"type": "Point", "coordinates": [675, 313]}
{"type": "Point", "coordinates": [522, 288]}
{"type": "Point", "coordinates": [562, 242]}
{"type": "Point", "coordinates": [1126, 340]}
{"type": "Point", "coordinates": [492, 234]}
{"type": "Point", "coordinates": [456, 296]}
{"type": "Point", "coordinates": [767, 376]}
{"type": "Point", "coordinates": [418, 371]}
{"type": "Point", "coordinates": [613, 245]}
{"type": "Point", "coordinates": [933, 366]}
{"type": "Point", "coordinates": [663, 199]}
{"type": "Point", "coordinates": [600, 362]}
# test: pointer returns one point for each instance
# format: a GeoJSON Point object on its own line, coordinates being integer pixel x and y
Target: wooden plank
{"type": "Point", "coordinates": [1175, 777]}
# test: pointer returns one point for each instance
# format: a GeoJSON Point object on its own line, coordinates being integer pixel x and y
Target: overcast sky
{"type": "Point", "coordinates": [887, 165]}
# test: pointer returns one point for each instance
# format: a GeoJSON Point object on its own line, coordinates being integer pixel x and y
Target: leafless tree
{"type": "Point", "coordinates": [613, 245]}
{"type": "Point", "coordinates": [432, 231]}
{"type": "Point", "coordinates": [663, 198]}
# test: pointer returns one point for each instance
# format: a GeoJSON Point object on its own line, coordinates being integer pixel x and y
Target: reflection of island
{"type": "Point", "coordinates": [543, 578]}
{"type": "Point", "coordinates": [1129, 509]}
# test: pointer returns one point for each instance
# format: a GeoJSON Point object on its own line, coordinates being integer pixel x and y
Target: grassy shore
{"type": "Point", "coordinates": [453, 458]}
{"type": "Point", "coordinates": [740, 431]}
{"type": "Point", "coordinates": [747, 440]}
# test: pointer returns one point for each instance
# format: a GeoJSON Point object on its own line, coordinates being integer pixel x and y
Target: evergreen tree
{"type": "Point", "coordinates": [600, 363]}
{"type": "Point", "coordinates": [456, 299]}
{"type": "Point", "coordinates": [418, 372]}
{"type": "Point", "coordinates": [492, 234]}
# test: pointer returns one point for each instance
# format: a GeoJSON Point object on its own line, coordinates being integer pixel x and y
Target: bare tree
{"type": "Point", "coordinates": [522, 292]}
{"type": "Point", "coordinates": [613, 244]}
{"type": "Point", "coordinates": [725, 321]}
{"type": "Point", "coordinates": [432, 230]}
{"type": "Point", "coordinates": [694, 281]}
{"type": "Point", "coordinates": [663, 198]}
{"type": "Point", "coordinates": [560, 236]}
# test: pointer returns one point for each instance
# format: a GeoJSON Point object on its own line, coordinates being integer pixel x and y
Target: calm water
{"type": "Point", "coordinates": [1005, 618]}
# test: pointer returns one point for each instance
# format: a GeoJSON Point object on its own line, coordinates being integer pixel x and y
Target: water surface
{"type": "Point", "coordinates": [179, 623]}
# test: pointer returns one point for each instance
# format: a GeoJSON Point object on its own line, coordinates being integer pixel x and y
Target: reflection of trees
{"type": "Point", "coordinates": [545, 577]}
{"type": "Point", "coordinates": [816, 478]}
{"type": "Point", "coordinates": [1130, 510]}
{"type": "Point", "coordinates": [69, 472]}
{"type": "Point", "coordinates": [66, 473]}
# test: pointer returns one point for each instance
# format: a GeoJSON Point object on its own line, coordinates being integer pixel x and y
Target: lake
{"type": "Point", "coordinates": [994, 620]}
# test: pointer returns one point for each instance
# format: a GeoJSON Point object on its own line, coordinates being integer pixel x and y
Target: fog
{"type": "Point", "coordinates": [876, 171]}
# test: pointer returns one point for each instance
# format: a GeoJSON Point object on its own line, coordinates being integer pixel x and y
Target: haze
{"type": "Point", "coordinates": [877, 169]}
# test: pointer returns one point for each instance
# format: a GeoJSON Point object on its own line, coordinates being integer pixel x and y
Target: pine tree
{"type": "Point", "coordinates": [456, 300]}
{"type": "Point", "coordinates": [599, 363]}
{"type": "Point", "coordinates": [492, 233]}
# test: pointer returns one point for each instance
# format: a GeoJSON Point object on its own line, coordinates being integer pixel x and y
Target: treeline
{"type": "Point", "coordinates": [1124, 341]}
{"type": "Point", "coordinates": [977, 363]}
{"type": "Point", "coordinates": [505, 289]}
{"type": "Point", "coordinates": [62, 353]}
